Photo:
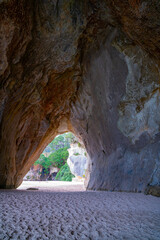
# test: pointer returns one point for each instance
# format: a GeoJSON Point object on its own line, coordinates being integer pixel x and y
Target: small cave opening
{"type": "Point", "coordinates": [62, 163]}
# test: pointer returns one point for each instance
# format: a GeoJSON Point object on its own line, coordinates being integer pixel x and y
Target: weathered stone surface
{"type": "Point", "coordinates": [153, 190]}
{"type": "Point", "coordinates": [118, 161]}
{"type": "Point", "coordinates": [34, 173]}
{"type": "Point", "coordinates": [77, 160]}
{"type": "Point", "coordinates": [91, 67]}
{"type": "Point", "coordinates": [40, 78]}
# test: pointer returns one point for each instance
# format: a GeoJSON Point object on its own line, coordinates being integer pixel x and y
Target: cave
{"type": "Point", "coordinates": [88, 67]}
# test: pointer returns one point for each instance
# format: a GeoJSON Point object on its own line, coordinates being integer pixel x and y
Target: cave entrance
{"type": "Point", "coordinates": [63, 160]}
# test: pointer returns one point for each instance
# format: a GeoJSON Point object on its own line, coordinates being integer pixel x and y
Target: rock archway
{"type": "Point", "coordinates": [90, 67]}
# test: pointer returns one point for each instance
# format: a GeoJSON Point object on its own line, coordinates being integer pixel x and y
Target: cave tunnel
{"type": "Point", "coordinates": [89, 67]}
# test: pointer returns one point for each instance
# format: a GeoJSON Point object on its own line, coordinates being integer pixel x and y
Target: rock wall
{"type": "Point", "coordinates": [91, 67]}
{"type": "Point", "coordinates": [120, 131]}
{"type": "Point", "coordinates": [39, 77]}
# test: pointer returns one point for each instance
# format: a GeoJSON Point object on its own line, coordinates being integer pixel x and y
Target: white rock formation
{"type": "Point", "coordinates": [77, 160]}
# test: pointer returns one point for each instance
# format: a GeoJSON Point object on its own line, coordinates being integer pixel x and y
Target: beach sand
{"type": "Point", "coordinates": [64, 210]}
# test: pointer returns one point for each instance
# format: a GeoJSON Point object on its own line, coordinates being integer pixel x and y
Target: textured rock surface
{"type": "Point", "coordinates": [120, 133]}
{"type": "Point", "coordinates": [33, 174]}
{"type": "Point", "coordinates": [77, 160]}
{"type": "Point", "coordinates": [37, 173]}
{"type": "Point", "coordinates": [91, 67]}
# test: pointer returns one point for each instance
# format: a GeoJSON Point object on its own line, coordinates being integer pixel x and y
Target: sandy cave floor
{"type": "Point", "coordinates": [61, 210]}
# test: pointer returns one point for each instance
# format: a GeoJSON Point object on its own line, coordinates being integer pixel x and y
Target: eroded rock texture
{"type": "Point", "coordinates": [77, 160]}
{"type": "Point", "coordinates": [91, 67]}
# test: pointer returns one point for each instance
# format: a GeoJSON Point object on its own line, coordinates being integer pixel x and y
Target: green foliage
{"type": "Point", "coordinates": [79, 145]}
{"type": "Point", "coordinates": [69, 137]}
{"type": "Point", "coordinates": [58, 158]}
{"type": "Point", "coordinates": [85, 154]}
{"type": "Point", "coordinates": [62, 141]}
{"type": "Point", "coordinates": [59, 154]}
{"type": "Point", "coordinates": [43, 161]}
{"type": "Point", "coordinates": [76, 154]}
{"type": "Point", "coordinates": [64, 174]}
{"type": "Point", "coordinates": [57, 143]}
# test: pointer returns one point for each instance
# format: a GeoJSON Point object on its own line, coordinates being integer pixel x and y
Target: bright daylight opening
{"type": "Point", "coordinates": [63, 163]}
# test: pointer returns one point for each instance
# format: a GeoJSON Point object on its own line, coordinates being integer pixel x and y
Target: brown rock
{"type": "Point", "coordinates": [153, 190]}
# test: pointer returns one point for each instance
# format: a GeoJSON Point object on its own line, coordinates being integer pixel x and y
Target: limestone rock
{"type": "Point", "coordinates": [34, 173]}
{"type": "Point", "coordinates": [52, 173]}
{"type": "Point", "coordinates": [77, 160]}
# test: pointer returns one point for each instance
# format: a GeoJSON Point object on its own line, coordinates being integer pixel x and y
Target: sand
{"type": "Point", "coordinates": [60, 210]}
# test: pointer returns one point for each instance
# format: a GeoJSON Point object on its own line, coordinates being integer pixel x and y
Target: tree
{"type": "Point", "coordinates": [57, 143]}
{"type": "Point", "coordinates": [59, 154]}
{"type": "Point", "coordinates": [56, 159]}
{"type": "Point", "coordinates": [59, 157]}
{"type": "Point", "coordinates": [43, 161]}
{"type": "Point", "coordinates": [62, 141]}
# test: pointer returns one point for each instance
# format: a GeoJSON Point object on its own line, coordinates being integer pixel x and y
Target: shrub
{"type": "Point", "coordinates": [64, 174]}
{"type": "Point", "coordinates": [58, 158]}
